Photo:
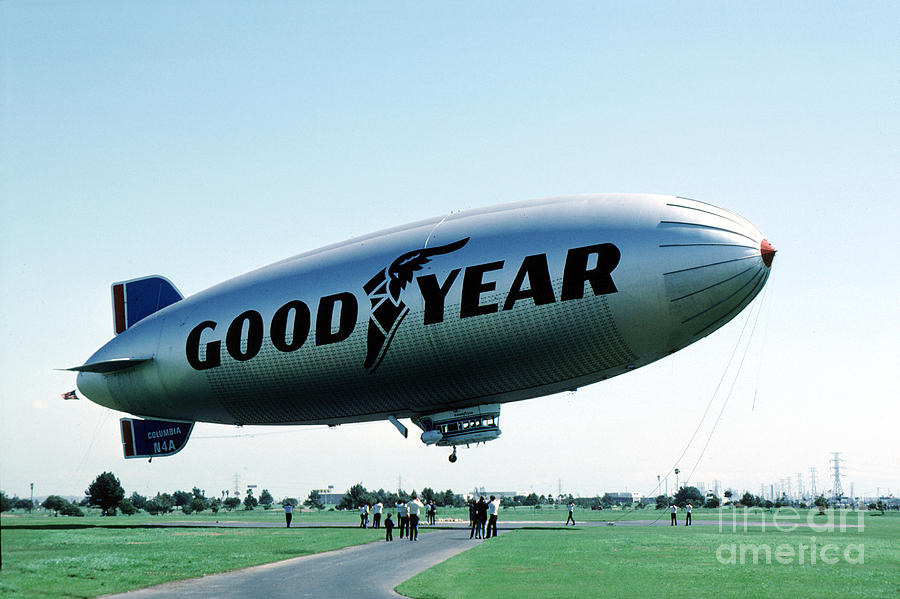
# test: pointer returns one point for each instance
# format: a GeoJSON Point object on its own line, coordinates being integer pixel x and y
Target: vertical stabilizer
{"type": "Point", "coordinates": [137, 299]}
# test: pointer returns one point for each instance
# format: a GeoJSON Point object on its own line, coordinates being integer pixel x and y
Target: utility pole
{"type": "Point", "coordinates": [31, 505]}
{"type": "Point", "coordinates": [836, 460]}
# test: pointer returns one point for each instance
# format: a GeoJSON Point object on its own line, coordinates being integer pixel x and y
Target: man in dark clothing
{"type": "Point", "coordinates": [481, 509]}
{"type": "Point", "coordinates": [388, 528]}
{"type": "Point", "coordinates": [472, 519]}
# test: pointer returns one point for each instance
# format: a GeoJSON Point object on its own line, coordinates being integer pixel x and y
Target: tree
{"type": "Point", "coordinates": [231, 503]}
{"type": "Point", "coordinates": [355, 497]}
{"type": "Point", "coordinates": [106, 493]}
{"type": "Point", "coordinates": [182, 498]}
{"type": "Point", "coordinates": [266, 499]}
{"type": "Point", "coordinates": [728, 495]}
{"type": "Point", "coordinates": [161, 504]}
{"type": "Point", "coordinates": [687, 495]}
{"type": "Point", "coordinates": [61, 506]}
{"type": "Point", "coordinates": [427, 494]}
{"type": "Point", "coordinates": [6, 503]}
{"type": "Point", "coordinates": [314, 500]}
{"type": "Point", "coordinates": [198, 504]}
{"type": "Point", "coordinates": [250, 501]}
{"type": "Point", "coordinates": [138, 500]}
{"type": "Point", "coordinates": [747, 499]}
{"type": "Point", "coordinates": [23, 504]}
{"type": "Point", "coordinates": [531, 499]}
{"type": "Point", "coordinates": [712, 501]}
{"type": "Point", "coordinates": [449, 498]}
{"type": "Point", "coordinates": [662, 502]}
{"type": "Point", "coordinates": [127, 507]}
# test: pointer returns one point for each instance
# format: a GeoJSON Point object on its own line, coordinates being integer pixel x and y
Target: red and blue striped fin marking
{"type": "Point", "coordinates": [137, 299]}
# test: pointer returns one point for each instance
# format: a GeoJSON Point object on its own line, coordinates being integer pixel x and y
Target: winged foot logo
{"type": "Point", "coordinates": [384, 291]}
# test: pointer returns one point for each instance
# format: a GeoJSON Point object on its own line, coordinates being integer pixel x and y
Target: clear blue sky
{"type": "Point", "coordinates": [200, 141]}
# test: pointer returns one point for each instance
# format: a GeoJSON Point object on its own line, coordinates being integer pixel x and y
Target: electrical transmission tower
{"type": "Point", "coordinates": [799, 487]}
{"type": "Point", "coordinates": [812, 481]}
{"type": "Point", "coordinates": [836, 460]}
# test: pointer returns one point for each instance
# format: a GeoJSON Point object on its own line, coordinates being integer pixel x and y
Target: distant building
{"type": "Point", "coordinates": [480, 492]}
{"type": "Point", "coordinates": [328, 496]}
{"type": "Point", "coordinates": [625, 498]}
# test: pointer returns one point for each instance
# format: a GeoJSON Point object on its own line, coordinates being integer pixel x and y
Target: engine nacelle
{"type": "Point", "coordinates": [431, 437]}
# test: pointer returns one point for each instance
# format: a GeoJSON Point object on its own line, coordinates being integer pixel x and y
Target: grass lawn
{"type": "Point", "coordinates": [85, 557]}
{"type": "Point", "coordinates": [671, 562]}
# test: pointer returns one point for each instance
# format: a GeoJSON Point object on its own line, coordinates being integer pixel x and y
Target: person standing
{"type": "Point", "coordinates": [288, 513]}
{"type": "Point", "coordinates": [687, 515]}
{"type": "Point", "coordinates": [480, 517]}
{"type": "Point", "coordinates": [415, 507]}
{"type": "Point", "coordinates": [473, 518]}
{"type": "Point", "coordinates": [571, 517]}
{"type": "Point", "coordinates": [363, 515]}
{"type": "Point", "coordinates": [388, 528]}
{"type": "Point", "coordinates": [493, 507]}
{"type": "Point", "coordinates": [672, 510]}
{"type": "Point", "coordinates": [376, 514]}
{"type": "Point", "coordinates": [403, 515]}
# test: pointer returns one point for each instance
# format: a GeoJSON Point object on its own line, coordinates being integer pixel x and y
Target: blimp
{"type": "Point", "coordinates": [440, 322]}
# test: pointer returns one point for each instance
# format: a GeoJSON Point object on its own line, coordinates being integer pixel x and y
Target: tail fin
{"type": "Point", "coordinates": [137, 299]}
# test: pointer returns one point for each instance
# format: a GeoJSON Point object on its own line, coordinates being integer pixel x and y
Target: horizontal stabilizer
{"type": "Point", "coordinates": [153, 438]}
{"type": "Point", "coordinates": [107, 366]}
{"type": "Point", "coordinates": [137, 299]}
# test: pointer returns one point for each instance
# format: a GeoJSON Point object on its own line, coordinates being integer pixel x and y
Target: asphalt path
{"type": "Point", "coordinates": [369, 571]}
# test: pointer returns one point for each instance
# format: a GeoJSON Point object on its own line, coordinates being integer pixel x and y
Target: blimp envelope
{"type": "Point", "coordinates": [151, 438]}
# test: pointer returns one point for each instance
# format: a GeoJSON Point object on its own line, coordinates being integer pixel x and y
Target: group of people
{"type": "Point", "coordinates": [687, 511]}
{"type": "Point", "coordinates": [483, 513]}
{"type": "Point", "coordinates": [408, 515]}
{"type": "Point", "coordinates": [376, 515]}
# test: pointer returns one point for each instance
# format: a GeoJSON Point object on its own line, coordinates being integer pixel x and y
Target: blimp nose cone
{"type": "Point", "coordinates": [767, 251]}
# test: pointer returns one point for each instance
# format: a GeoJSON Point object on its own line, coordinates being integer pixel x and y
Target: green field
{"type": "Point", "coordinates": [644, 561]}
{"type": "Point", "coordinates": [83, 557]}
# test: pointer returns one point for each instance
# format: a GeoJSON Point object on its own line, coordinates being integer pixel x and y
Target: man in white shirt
{"type": "Point", "coordinates": [288, 513]}
{"type": "Point", "coordinates": [363, 515]}
{"type": "Point", "coordinates": [376, 514]}
{"type": "Point", "coordinates": [414, 506]}
{"type": "Point", "coordinates": [403, 515]}
{"type": "Point", "coordinates": [687, 516]}
{"type": "Point", "coordinates": [571, 517]}
{"type": "Point", "coordinates": [672, 510]}
{"type": "Point", "coordinates": [493, 508]}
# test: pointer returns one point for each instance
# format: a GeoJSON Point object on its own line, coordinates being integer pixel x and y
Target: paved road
{"type": "Point", "coordinates": [362, 571]}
